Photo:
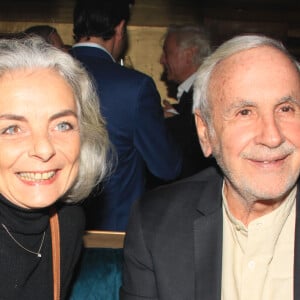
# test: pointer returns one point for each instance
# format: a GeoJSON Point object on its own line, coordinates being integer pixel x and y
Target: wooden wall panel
{"type": "Point", "coordinates": [279, 18]}
{"type": "Point", "coordinates": [144, 46]}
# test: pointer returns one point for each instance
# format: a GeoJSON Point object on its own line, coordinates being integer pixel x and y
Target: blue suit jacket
{"type": "Point", "coordinates": [130, 104]}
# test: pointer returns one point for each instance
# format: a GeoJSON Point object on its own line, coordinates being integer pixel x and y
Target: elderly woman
{"type": "Point", "coordinates": [53, 147]}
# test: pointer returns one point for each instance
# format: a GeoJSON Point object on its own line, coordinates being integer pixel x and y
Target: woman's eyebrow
{"type": "Point", "coordinates": [64, 113]}
{"type": "Point", "coordinates": [12, 117]}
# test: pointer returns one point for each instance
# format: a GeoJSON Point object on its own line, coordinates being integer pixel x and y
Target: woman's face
{"type": "Point", "coordinates": [39, 137]}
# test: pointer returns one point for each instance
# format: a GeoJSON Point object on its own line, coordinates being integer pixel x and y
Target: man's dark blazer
{"type": "Point", "coordinates": [130, 104]}
{"type": "Point", "coordinates": [173, 246]}
{"type": "Point", "coordinates": [183, 130]}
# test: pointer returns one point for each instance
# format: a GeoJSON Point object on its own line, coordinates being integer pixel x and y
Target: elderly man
{"type": "Point", "coordinates": [233, 234]}
{"type": "Point", "coordinates": [184, 49]}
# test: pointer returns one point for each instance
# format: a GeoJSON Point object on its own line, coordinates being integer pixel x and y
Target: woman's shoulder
{"type": "Point", "coordinates": [71, 217]}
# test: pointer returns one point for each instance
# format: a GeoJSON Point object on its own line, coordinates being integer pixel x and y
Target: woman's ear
{"type": "Point", "coordinates": [203, 134]}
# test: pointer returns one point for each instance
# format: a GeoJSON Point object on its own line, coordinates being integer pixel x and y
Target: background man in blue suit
{"type": "Point", "coordinates": [130, 103]}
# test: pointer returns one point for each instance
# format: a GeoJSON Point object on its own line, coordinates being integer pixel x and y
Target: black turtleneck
{"type": "Point", "coordinates": [23, 275]}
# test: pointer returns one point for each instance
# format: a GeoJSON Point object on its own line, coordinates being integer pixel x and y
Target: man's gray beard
{"type": "Point", "coordinates": [249, 193]}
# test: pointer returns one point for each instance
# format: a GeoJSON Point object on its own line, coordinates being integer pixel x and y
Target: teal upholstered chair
{"type": "Point", "coordinates": [99, 274]}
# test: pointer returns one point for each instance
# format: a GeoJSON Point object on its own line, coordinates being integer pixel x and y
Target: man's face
{"type": "Point", "coordinates": [255, 99]}
{"type": "Point", "coordinates": [173, 60]}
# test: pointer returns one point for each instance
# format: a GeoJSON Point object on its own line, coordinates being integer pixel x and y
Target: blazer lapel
{"type": "Point", "coordinates": [208, 246]}
{"type": "Point", "coordinates": [208, 234]}
{"type": "Point", "coordinates": [186, 103]}
{"type": "Point", "coordinates": [208, 257]}
{"type": "Point", "coordinates": [297, 248]}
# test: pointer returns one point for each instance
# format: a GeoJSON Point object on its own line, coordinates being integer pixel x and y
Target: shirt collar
{"type": "Point", "coordinates": [280, 213]}
{"type": "Point", "coordinates": [94, 45]}
{"type": "Point", "coordinates": [186, 85]}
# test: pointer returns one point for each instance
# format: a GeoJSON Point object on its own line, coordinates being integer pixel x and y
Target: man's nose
{"type": "Point", "coordinates": [269, 132]}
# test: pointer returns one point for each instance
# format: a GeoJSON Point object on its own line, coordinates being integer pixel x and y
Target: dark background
{"type": "Point", "coordinates": [223, 18]}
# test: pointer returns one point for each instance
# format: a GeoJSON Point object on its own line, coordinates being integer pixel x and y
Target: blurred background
{"type": "Point", "coordinates": [223, 18]}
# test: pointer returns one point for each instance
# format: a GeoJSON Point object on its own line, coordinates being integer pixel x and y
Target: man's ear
{"type": "Point", "coordinates": [119, 29]}
{"type": "Point", "coordinates": [189, 55]}
{"type": "Point", "coordinates": [203, 135]}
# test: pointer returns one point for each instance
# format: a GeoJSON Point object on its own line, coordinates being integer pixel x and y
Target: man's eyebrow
{"type": "Point", "coordinates": [244, 103]}
{"type": "Point", "coordinates": [289, 99]}
{"type": "Point", "coordinates": [239, 104]}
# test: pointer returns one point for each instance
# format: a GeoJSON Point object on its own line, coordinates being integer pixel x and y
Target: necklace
{"type": "Point", "coordinates": [38, 253]}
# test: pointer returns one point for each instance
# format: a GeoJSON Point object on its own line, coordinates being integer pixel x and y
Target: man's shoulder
{"type": "Point", "coordinates": [99, 62]}
{"type": "Point", "coordinates": [175, 207]}
{"type": "Point", "coordinates": [184, 194]}
{"type": "Point", "coordinates": [131, 74]}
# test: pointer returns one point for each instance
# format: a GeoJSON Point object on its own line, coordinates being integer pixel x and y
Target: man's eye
{"type": "Point", "coordinates": [245, 112]}
{"type": "Point", "coordinates": [64, 126]}
{"type": "Point", "coordinates": [11, 130]}
{"type": "Point", "coordinates": [286, 108]}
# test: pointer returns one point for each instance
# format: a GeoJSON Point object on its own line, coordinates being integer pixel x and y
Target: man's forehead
{"type": "Point", "coordinates": [260, 60]}
{"type": "Point", "coordinates": [253, 73]}
{"type": "Point", "coordinates": [253, 57]}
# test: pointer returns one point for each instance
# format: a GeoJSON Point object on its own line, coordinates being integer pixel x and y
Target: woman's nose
{"type": "Point", "coordinates": [41, 147]}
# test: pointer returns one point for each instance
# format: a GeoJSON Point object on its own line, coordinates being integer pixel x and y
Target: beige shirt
{"type": "Point", "coordinates": [258, 260]}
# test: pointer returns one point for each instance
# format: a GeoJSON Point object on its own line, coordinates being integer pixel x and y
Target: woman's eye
{"type": "Point", "coordinates": [11, 130]}
{"type": "Point", "coordinates": [64, 126]}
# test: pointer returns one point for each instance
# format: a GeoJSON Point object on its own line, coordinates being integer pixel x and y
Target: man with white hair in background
{"type": "Point", "coordinates": [184, 49]}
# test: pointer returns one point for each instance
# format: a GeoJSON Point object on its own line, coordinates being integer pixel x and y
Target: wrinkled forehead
{"type": "Point", "coordinates": [252, 69]}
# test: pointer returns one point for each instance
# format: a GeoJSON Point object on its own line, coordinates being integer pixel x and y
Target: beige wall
{"type": "Point", "coordinates": [144, 50]}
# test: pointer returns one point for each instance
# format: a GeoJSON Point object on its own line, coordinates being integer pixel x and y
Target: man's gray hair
{"type": "Point", "coordinates": [227, 49]}
{"type": "Point", "coordinates": [191, 36]}
{"type": "Point", "coordinates": [34, 53]}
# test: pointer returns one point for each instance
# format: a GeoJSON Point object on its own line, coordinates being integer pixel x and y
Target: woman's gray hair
{"type": "Point", "coordinates": [33, 53]}
{"type": "Point", "coordinates": [227, 49]}
{"type": "Point", "coordinates": [191, 36]}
